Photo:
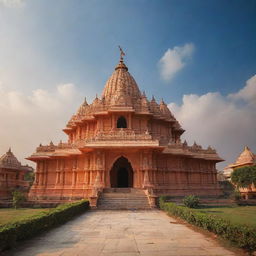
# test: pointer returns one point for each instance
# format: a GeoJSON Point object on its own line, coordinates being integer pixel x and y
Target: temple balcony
{"type": "Point", "coordinates": [119, 138]}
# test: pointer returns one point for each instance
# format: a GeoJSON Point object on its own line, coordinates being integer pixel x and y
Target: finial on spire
{"type": "Point", "coordinates": [9, 150]}
{"type": "Point", "coordinates": [121, 53]}
{"type": "Point", "coordinates": [246, 148]}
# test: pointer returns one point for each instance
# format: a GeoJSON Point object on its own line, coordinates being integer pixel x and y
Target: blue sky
{"type": "Point", "coordinates": [77, 41]}
{"type": "Point", "coordinates": [46, 43]}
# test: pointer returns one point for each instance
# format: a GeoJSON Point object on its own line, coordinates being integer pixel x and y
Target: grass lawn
{"type": "Point", "coordinates": [236, 214]}
{"type": "Point", "coordinates": [8, 215]}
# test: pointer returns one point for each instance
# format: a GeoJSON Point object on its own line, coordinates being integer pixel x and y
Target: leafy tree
{"type": "Point", "coordinates": [244, 176]}
{"type": "Point", "coordinates": [17, 198]}
{"type": "Point", "coordinates": [29, 176]}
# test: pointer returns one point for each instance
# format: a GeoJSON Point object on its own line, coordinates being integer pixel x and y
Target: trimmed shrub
{"type": "Point", "coordinates": [191, 201]}
{"type": "Point", "coordinates": [240, 235]}
{"type": "Point", "coordinates": [29, 227]}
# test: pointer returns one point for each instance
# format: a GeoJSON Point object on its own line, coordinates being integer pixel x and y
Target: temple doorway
{"type": "Point", "coordinates": [121, 174]}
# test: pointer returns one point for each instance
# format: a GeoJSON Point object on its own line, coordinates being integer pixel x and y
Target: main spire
{"type": "Point", "coordinates": [121, 82]}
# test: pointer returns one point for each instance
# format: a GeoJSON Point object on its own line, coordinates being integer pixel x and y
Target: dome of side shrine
{"type": "Point", "coordinates": [9, 160]}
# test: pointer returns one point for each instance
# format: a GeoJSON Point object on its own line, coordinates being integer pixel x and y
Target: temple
{"type": "Point", "coordinates": [12, 175]}
{"type": "Point", "coordinates": [246, 158]}
{"type": "Point", "coordinates": [123, 139]}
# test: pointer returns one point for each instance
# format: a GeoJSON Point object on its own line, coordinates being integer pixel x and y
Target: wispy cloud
{"type": "Point", "coordinates": [220, 121]}
{"type": "Point", "coordinates": [174, 60]}
{"type": "Point", "coordinates": [12, 3]}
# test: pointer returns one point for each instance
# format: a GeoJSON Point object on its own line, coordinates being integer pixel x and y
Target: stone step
{"type": "Point", "coordinates": [123, 198]}
{"type": "Point", "coordinates": [123, 190]}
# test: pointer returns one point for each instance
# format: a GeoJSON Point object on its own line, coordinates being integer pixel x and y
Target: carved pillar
{"type": "Point", "coordinates": [85, 177]}
{"type": "Point", "coordinates": [108, 185]}
{"type": "Point", "coordinates": [135, 178]}
{"type": "Point", "coordinates": [44, 173]}
{"type": "Point", "coordinates": [57, 179]}
{"type": "Point", "coordinates": [130, 121]}
{"type": "Point", "coordinates": [36, 175]}
{"type": "Point", "coordinates": [74, 178]}
{"type": "Point", "coordinates": [91, 177]}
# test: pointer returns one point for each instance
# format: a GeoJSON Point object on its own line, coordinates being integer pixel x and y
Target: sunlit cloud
{"type": "Point", "coordinates": [174, 60]}
{"type": "Point", "coordinates": [220, 121]}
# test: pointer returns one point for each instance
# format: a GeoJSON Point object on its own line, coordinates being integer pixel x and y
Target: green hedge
{"type": "Point", "coordinates": [29, 227]}
{"type": "Point", "coordinates": [241, 235]}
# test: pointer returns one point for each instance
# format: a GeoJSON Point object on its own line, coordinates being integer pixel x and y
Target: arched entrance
{"type": "Point", "coordinates": [121, 174]}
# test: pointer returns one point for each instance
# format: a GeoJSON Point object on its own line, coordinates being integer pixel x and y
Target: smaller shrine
{"type": "Point", "coordinates": [12, 175]}
{"type": "Point", "coordinates": [246, 158]}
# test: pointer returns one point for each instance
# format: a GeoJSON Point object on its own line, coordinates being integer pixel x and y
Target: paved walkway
{"type": "Point", "coordinates": [121, 233]}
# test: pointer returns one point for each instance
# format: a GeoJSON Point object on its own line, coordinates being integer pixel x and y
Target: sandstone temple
{"type": "Point", "coordinates": [123, 140]}
{"type": "Point", "coordinates": [12, 175]}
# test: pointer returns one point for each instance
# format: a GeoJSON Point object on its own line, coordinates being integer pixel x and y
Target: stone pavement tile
{"type": "Point", "coordinates": [126, 245]}
{"type": "Point", "coordinates": [176, 252]}
{"type": "Point", "coordinates": [90, 234]}
{"type": "Point", "coordinates": [146, 245]}
{"type": "Point", "coordinates": [115, 235]}
{"type": "Point", "coordinates": [119, 254]}
{"type": "Point", "coordinates": [195, 243]}
{"type": "Point", "coordinates": [218, 251]}
{"type": "Point", "coordinates": [91, 240]}
{"type": "Point", "coordinates": [160, 253]}
{"type": "Point", "coordinates": [110, 244]}
{"type": "Point", "coordinates": [120, 245]}
{"type": "Point", "coordinates": [90, 251]}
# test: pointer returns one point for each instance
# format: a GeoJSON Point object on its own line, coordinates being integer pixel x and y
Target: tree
{"type": "Point", "coordinates": [17, 198]}
{"type": "Point", "coordinates": [29, 176]}
{"type": "Point", "coordinates": [244, 176]}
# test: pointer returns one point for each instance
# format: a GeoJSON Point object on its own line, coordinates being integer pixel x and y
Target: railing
{"type": "Point", "coordinates": [119, 134]}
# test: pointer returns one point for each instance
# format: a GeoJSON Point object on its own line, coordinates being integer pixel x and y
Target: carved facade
{"type": "Point", "coordinates": [122, 139]}
{"type": "Point", "coordinates": [12, 175]}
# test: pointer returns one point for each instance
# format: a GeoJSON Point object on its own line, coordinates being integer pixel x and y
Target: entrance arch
{"type": "Point", "coordinates": [121, 174]}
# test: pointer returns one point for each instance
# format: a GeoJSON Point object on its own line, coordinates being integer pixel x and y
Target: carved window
{"type": "Point", "coordinates": [121, 122]}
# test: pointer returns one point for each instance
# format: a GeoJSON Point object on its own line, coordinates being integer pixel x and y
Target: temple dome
{"type": "Point", "coordinates": [122, 83]}
{"type": "Point", "coordinates": [9, 160]}
{"type": "Point", "coordinates": [246, 157]}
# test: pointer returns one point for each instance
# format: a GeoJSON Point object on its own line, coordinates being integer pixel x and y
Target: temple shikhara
{"type": "Point", "coordinates": [12, 175]}
{"type": "Point", "coordinates": [123, 140]}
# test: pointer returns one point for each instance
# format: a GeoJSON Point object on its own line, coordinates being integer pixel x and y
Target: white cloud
{"type": "Point", "coordinates": [27, 120]}
{"type": "Point", "coordinates": [174, 60]}
{"type": "Point", "coordinates": [12, 3]}
{"type": "Point", "coordinates": [248, 93]}
{"type": "Point", "coordinates": [220, 121]}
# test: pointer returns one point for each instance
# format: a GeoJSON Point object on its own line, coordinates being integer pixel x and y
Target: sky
{"type": "Point", "coordinates": [199, 56]}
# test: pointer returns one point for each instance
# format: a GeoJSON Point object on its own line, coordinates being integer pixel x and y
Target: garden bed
{"type": "Point", "coordinates": [241, 235]}
{"type": "Point", "coordinates": [33, 225]}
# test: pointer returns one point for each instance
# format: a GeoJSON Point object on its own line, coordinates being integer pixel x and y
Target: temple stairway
{"type": "Point", "coordinates": [123, 199]}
